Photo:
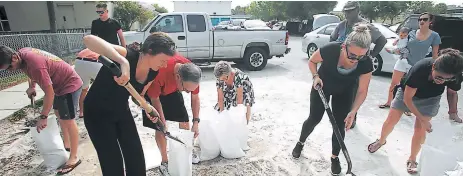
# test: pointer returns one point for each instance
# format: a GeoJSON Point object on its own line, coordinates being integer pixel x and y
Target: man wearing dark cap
{"type": "Point", "coordinates": [351, 12]}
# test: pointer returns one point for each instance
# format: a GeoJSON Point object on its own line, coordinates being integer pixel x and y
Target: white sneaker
{"type": "Point", "coordinates": [163, 169]}
{"type": "Point", "coordinates": [195, 158]}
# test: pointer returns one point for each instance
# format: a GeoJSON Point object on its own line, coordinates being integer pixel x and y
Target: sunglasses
{"type": "Point", "coordinates": [423, 19]}
{"type": "Point", "coordinates": [440, 78]}
{"type": "Point", "coordinates": [352, 56]}
{"type": "Point", "coordinates": [100, 12]}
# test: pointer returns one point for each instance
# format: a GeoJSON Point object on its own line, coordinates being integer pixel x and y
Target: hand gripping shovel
{"type": "Point", "coordinates": [141, 101]}
{"type": "Point", "coordinates": [336, 130]}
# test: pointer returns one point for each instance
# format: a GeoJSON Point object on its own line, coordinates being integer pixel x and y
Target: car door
{"type": "Point", "coordinates": [173, 26]}
{"type": "Point", "coordinates": [198, 37]}
{"type": "Point", "coordinates": [323, 36]}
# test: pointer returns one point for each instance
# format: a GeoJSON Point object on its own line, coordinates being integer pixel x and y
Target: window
{"type": "Point", "coordinates": [170, 24]}
{"type": "Point", "coordinates": [196, 23]}
{"type": "Point", "coordinates": [329, 30]}
{"type": "Point", "coordinates": [4, 24]}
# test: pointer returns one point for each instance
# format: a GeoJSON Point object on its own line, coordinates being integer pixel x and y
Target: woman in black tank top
{"type": "Point", "coordinates": [108, 119]}
{"type": "Point", "coordinates": [343, 64]}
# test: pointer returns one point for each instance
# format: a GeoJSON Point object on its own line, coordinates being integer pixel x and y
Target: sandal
{"type": "Point", "coordinates": [375, 146]}
{"type": "Point", "coordinates": [412, 167]}
{"type": "Point", "coordinates": [454, 117]}
{"type": "Point", "coordinates": [68, 168]}
{"type": "Point", "coordinates": [408, 113]}
{"type": "Point", "coordinates": [383, 106]}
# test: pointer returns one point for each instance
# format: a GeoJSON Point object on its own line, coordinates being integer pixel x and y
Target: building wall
{"type": "Point", "coordinates": [33, 15]}
{"type": "Point", "coordinates": [27, 16]}
{"type": "Point", "coordinates": [210, 7]}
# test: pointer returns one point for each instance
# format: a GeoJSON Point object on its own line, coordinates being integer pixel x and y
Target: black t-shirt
{"type": "Point", "coordinates": [419, 77]}
{"type": "Point", "coordinates": [106, 94]}
{"type": "Point", "coordinates": [332, 79]}
{"type": "Point", "coordinates": [107, 30]}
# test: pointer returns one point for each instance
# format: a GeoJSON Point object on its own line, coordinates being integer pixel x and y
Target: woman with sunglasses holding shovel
{"type": "Point", "coordinates": [341, 65]}
{"type": "Point", "coordinates": [108, 119]}
{"type": "Point", "coordinates": [420, 93]}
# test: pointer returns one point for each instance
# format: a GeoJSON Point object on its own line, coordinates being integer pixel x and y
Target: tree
{"type": "Point", "coordinates": [284, 10]}
{"type": "Point", "coordinates": [370, 9]}
{"type": "Point", "coordinates": [128, 12]}
{"type": "Point", "coordinates": [391, 9]}
{"type": "Point", "coordinates": [439, 8]}
{"type": "Point", "coordinates": [159, 8]}
{"type": "Point", "coordinates": [421, 6]}
{"type": "Point", "coordinates": [238, 10]}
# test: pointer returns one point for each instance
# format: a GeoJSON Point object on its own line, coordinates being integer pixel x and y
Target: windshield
{"type": "Point", "coordinates": [150, 23]}
{"type": "Point", "coordinates": [388, 33]}
{"type": "Point", "coordinates": [254, 24]}
{"type": "Point", "coordinates": [224, 23]}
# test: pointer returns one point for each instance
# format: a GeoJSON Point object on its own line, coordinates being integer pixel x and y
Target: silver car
{"type": "Point", "coordinates": [384, 62]}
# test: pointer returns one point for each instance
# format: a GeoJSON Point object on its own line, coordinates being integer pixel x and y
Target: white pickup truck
{"type": "Point", "coordinates": [197, 40]}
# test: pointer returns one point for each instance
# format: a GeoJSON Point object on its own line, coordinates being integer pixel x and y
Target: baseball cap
{"type": "Point", "coordinates": [350, 5]}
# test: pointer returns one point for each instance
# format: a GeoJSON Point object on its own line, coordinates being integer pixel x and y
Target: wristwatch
{"type": "Point", "coordinates": [196, 119]}
{"type": "Point", "coordinates": [43, 117]}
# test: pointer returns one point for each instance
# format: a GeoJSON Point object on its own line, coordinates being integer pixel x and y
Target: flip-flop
{"type": "Point", "coordinates": [67, 149]}
{"type": "Point", "coordinates": [376, 147]}
{"type": "Point", "coordinates": [81, 117]}
{"type": "Point", "coordinates": [412, 167]}
{"type": "Point", "coordinates": [408, 113]}
{"type": "Point", "coordinates": [69, 168]}
{"type": "Point", "coordinates": [383, 106]}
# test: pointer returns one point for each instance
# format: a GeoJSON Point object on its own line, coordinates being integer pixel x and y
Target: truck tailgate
{"type": "Point", "coordinates": [231, 43]}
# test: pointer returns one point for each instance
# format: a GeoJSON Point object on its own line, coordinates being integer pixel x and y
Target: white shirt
{"type": "Point", "coordinates": [402, 43]}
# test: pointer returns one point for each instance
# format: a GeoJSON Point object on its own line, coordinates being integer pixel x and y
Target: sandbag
{"type": "Point", "coordinates": [225, 131]}
{"type": "Point", "coordinates": [50, 145]}
{"type": "Point", "coordinates": [238, 116]}
{"type": "Point", "coordinates": [458, 170]}
{"type": "Point", "coordinates": [438, 151]}
{"type": "Point", "coordinates": [208, 143]}
{"type": "Point", "coordinates": [180, 156]}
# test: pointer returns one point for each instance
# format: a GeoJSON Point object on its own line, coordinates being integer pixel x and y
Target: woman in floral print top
{"type": "Point", "coordinates": [233, 88]}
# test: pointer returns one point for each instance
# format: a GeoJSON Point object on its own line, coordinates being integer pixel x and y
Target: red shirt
{"type": "Point", "coordinates": [46, 69]}
{"type": "Point", "coordinates": [164, 83]}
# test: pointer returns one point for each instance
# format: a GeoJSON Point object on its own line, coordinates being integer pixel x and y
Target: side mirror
{"type": "Point", "coordinates": [153, 29]}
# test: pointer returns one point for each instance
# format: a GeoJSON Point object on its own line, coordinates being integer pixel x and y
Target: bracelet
{"type": "Point", "coordinates": [315, 75]}
{"type": "Point", "coordinates": [196, 119]}
{"type": "Point", "coordinates": [43, 117]}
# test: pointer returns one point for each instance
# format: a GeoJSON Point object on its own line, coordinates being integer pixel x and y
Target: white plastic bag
{"type": "Point", "coordinates": [230, 146]}
{"type": "Point", "coordinates": [180, 159]}
{"type": "Point", "coordinates": [208, 143]}
{"type": "Point", "coordinates": [437, 153]}
{"type": "Point", "coordinates": [50, 144]}
{"type": "Point", "coordinates": [238, 116]}
{"type": "Point", "coordinates": [458, 170]}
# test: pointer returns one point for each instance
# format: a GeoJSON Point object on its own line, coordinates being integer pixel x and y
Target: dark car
{"type": "Point", "coordinates": [450, 29]}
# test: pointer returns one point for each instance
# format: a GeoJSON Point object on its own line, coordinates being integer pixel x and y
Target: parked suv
{"type": "Point", "coordinates": [450, 29]}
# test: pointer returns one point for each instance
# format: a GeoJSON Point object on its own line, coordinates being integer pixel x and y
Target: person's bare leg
{"type": "Point", "coordinates": [248, 114]}
{"type": "Point", "coordinates": [81, 101]}
{"type": "Point", "coordinates": [396, 77]}
{"type": "Point", "coordinates": [64, 130]}
{"type": "Point", "coordinates": [452, 99]}
{"type": "Point", "coordinates": [388, 125]}
{"type": "Point", "coordinates": [73, 131]}
{"type": "Point", "coordinates": [418, 138]}
{"type": "Point", "coordinates": [162, 145]}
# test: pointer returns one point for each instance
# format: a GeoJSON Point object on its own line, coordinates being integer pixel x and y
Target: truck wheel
{"type": "Point", "coordinates": [255, 59]}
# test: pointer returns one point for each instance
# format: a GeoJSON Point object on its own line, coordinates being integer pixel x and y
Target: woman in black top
{"type": "Point", "coordinates": [108, 119]}
{"type": "Point", "coordinates": [341, 65]}
{"type": "Point", "coordinates": [420, 93]}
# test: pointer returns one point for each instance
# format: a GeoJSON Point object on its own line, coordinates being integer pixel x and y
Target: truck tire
{"type": "Point", "coordinates": [255, 59]}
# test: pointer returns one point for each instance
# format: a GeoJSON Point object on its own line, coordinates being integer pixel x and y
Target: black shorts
{"type": "Point", "coordinates": [67, 104]}
{"type": "Point", "coordinates": [173, 107]}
